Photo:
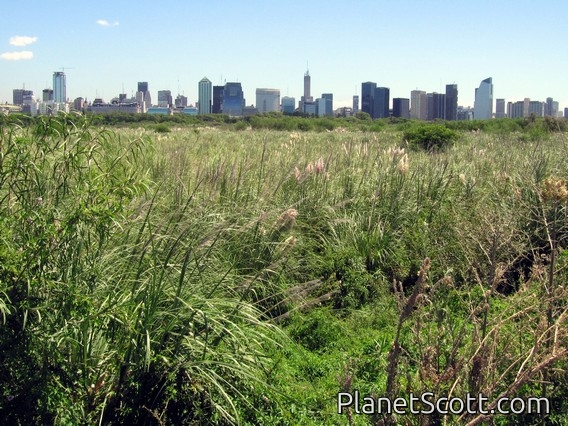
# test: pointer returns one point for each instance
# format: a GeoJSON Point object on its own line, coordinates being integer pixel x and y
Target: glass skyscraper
{"type": "Point", "coordinates": [59, 87]}
{"type": "Point", "coordinates": [483, 105]}
{"type": "Point", "coordinates": [233, 99]}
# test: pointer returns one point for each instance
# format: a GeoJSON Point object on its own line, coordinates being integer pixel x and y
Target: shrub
{"type": "Point", "coordinates": [430, 137]}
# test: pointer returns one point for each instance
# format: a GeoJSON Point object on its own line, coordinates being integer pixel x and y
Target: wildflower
{"type": "Point", "coordinates": [462, 178]}
{"type": "Point", "coordinates": [309, 169]}
{"type": "Point", "coordinates": [39, 201]}
{"type": "Point", "coordinates": [555, 189]}
{"type": "Point", "coordinates": [286, 220]}
{"type": "Point", "coordinates": [297, 174]}
{"type": "Point", "coordinates": [319, 166]}
{"type": "Point", "coordinates": [402, 166]}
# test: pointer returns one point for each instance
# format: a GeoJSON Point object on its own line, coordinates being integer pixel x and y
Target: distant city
{"type": "Point", "coordinates": [229, 99]}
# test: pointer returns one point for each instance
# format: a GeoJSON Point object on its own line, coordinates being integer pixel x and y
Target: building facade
{"type": "Point", "coordinates": [451, 108]}
{"type": "Point", "coordinates": [418, 105]}
{"type": "Point", "coordinates": [500, 108]}
{"type": "Point", "coordinates": [233, 100]}
{"type": "Point", "coordinates": [165, 99]}
{"type": "Point", "coordinates": [401, 107]}
{"type": "Point", "coordinates": [368, 97]}
{"type": "Point", "coordinates": [381, 104]}
{"type": "Point", "coordinates": [483, 104]}
{"type": "Point", "coordinates": [288, 105]}
{"type": "Point", "coordinates": [59, 87]}
{"type": "Point", "coordinates": [267, 100]}
{"type": "Point", "coordinates": [217, 107]}
{"type": "Point", "coordinates": [205, 96]}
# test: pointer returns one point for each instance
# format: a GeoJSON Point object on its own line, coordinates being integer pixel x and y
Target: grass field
{"type": "Point", "coordinates": [215, 276]}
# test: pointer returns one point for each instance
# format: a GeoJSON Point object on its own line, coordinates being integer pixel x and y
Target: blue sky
{"type": "Point", "coordinates": [404, 45]}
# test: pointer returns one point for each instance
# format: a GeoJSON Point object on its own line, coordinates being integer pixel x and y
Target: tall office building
{"type": "Point", "coordinates": [59, 87]}
{"type": "Point", "coordinates": [536, 108]}
{"type": "Point", "coordinates": [165, 99]}
{"type": "Point", "coordinates": [355, 104]}
{"type": "Point", "coordinates": [143, 87]}
{"type": "Point", "coordinates": [47, 95]}
{"type": "Point", "coordinates": [451, 108]}
{"type": "Point", "coordinates": [483, 104]}
{"type": "Point", "coordinates": [18, 96]}
{"type": "Point", "coordinates": [233, 100]}
{"type": "Point", "coordinates": [205, 96]}
{"type": "Point", "coordinates": [381, 104]}
{"type": "Point", "coordinates": [328, 97]}
{"type": "Point", "coordinates": [368, 97]}
{"type": "Point", "coordinates": [307, 87]}
{"type": "Point", "coordinates": [418, 105]}
{"type": "Point", "coordinates": [267, 100]}
{"type": "Point", "coordinates": [438, 106]}
{"type": "Point", "coordinates": [288, 105]}
{"type": "Point", "coordinates": [500, 108]}
{"type": "Point", "coordinates": [217, 99]}
{"type": "Point", "coordinates": [401, 107]}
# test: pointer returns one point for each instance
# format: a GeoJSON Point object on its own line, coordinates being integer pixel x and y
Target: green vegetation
{"type": "Point", "coordinates": [223, 271]}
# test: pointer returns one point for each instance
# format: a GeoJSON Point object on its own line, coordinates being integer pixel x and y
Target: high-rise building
{"type": "Point", "coordinates": [267, 100]}
{"type": "Point", "coordinates": [483, 104]}
{"type": "Point", "coordinates": [381, 104]}
{"type": "Point", "coordinates": [451, 108]}
{"type": "Point", "coordinates": [217, 99]}
{"type": "Point", "coordinates": [47, 95]}
{"type": "Point", "coordinates": [500, 108]}
{"type": "Point", "coordinates": [418, 105]}
{"type": "Point", "coordinates": [181, 101]}
{"type": "Point", "coordinates": [205, 96]}
{"type": "Point", "coordinates": [233, 100]}
{"type": "Point", "coordinates": [18, 96]}
{"type": "Point", "coordinates": [288, 105]}
{"type": "Point", "coordinates": [401, 107]}
{"type": "Point", "coordinates": [307, 86]}
{"type": "Point", "coordinates": [536, 108]}
{"type": "Point", "coordinates": [438, 107]}
{"type": "Point", "coordinates": [565, 112]}
{"type": "Point", "coordinates": [328, 97]}
{"type": "Point", "coordinates": [146, 98]}
{"type": "Point", "coordinates": [368, 97]}
{"type": "Point", "coordinates": [516, 109]}
{"type": "Point", "coordinates": [355, 109]}
{"type": "Point", "coordinates": [165, 99]}
{"type": "Point", "coordinates": [59, 87]}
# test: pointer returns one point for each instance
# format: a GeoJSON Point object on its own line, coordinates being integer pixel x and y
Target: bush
{"type": "Point", "coordinates": [430, 137]}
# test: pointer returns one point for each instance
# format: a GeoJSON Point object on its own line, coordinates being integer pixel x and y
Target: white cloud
{"type": "Point", "coordinates": [22, 40]}
{"type": "Point", "coordinates": [17, 56]}
{"type": "Point", "coordinates": [105, 23]}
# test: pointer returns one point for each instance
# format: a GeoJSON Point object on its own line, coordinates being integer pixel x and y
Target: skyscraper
{"type": "Point", "coordinates": [217, 99]}
{"type": "Point", "coordinates": [368, 97]}
{"type": "Point", "coordinates": [267, 100]}
{"type": "Point", "coordinates": [18, 96]}
{"type": "Point", "coordinates": [328, 104]}
{"type": "Point", "coordinates": [59, 87]}
{"type": "Point", "coordinates": [143, 87]}
{"type": "Point", "coordinates": [355, 104]}
{"type": "Point", "coordinates": [483, 105]}
{"type": "Point", "coordinates": [233, 99]}
{"type": "Point", "coordinates": [500, 108]}
{"type": "Point", "coordinates": [439, 106]}
{"type": "Point", "coordinates": [288, 105]}
{"type": "Point", "coordinates": [451, 108]}
{"type": "Point", "coordinates": [165, 99]}
{"type": "Point", "coordinates": [418, 105]}
{"type": "Point", "coordinates": [381, 102]}
{"type": "Point", "coordinates": [205, 89]}
{"type": "Point", "coordinates": [401, 107]}
{"type": "Point", "coordinates": [307, 87]}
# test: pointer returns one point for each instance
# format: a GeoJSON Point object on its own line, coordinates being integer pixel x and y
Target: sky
{"type": "Point", "coordinates": [107, 47]}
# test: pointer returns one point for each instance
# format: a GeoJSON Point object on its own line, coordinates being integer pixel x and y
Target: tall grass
{"type": "Point", "coordinates": [203, 275]}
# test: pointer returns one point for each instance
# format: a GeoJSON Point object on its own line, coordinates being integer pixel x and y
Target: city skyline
{"type": "Point", "coordinates": [106, 48]}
